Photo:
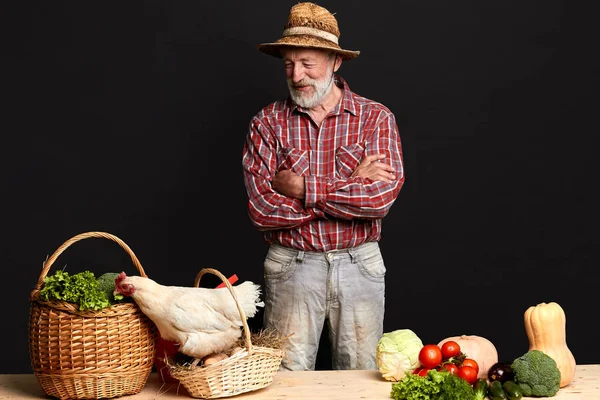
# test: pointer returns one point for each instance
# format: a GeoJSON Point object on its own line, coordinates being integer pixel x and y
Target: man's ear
{"type": "Point", "coordinates": [338, 62]}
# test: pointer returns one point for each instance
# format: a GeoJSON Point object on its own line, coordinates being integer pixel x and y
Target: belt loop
{"type": "Point", "coordinates": [352, 253]}
{"type": "Point", "coordinates": [300, 256]}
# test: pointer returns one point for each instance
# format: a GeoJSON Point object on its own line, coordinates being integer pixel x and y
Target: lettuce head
{"type": "Point", "coordinates": [398, 354]}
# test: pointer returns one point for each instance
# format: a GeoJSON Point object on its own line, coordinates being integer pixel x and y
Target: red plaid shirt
{"type": "Point", "coordinates": [338, 211]}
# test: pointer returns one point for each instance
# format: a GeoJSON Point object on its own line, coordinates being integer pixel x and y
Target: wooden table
{"type": "Point", "coordinates": [304, 385]}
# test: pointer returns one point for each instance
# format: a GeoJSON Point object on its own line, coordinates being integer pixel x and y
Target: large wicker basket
{"type": "Point", "coordinates": [250, 369]}
{"type": "Point", "coordinates": [89, 354]}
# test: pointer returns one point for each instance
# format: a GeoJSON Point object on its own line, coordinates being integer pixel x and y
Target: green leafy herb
{"type": "Point", "coordinates": [414, 387]}
{"type": "Point", "coordinates": [436, 385]}
{"type": "Point", "coordinates": [82, 289]}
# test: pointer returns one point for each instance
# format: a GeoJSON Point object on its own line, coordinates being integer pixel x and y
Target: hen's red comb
{"type": "Point", "coordinates": [119, 278]}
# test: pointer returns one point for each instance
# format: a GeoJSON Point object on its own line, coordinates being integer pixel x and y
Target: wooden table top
{"type": "Point", "coordinates": [345, 385]}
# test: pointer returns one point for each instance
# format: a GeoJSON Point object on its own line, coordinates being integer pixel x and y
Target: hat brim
{"type": "Point", "coordinates": [305, 41]}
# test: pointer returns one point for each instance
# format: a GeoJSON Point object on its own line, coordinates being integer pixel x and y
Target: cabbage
{"type": "Point", "coordinates": [398, 354]}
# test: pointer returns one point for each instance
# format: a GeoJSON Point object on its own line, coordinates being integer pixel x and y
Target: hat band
{"type": "Point", "coordinates": [303, 30]}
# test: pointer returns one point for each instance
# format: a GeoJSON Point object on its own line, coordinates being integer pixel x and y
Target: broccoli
{"type": "Point", "coordinates": [537, 374]}
{"type": "Point", "coordinates": [107, 285]}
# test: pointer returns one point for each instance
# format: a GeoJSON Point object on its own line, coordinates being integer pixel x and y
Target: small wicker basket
{"type": "Point", "coordinates": [251, 369]}
{"type": "Point", "coordinates": [89, 354]}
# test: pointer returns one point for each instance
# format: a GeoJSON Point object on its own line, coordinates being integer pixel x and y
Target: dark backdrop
{"type": "Point", "coordinates": [130, 117]}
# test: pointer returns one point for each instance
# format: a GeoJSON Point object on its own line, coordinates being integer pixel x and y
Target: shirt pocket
{"type": "Point", "coordinates": [347, 159]}
{"type": "Point", "coordinates": [293, 159]}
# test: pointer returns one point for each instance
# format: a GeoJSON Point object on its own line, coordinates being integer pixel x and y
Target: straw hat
{"type": "Point", "coordinates": [312, 26]}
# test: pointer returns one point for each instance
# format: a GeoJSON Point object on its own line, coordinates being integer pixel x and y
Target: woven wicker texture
{"type": "Point", "coordinates": [251, 369]}
{"type": "Point", "coordinates": [313, 16]}
{"type": "Point", "coordinates": [309, 17]}
{"type": "Point", "coordinates": [89, 354]}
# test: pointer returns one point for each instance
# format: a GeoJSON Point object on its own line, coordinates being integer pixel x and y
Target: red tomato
{"type": "Point", "coordinates": [467, 373]}
{"type": "Point", "coordinates": [417, 370]}
{"type": "Point", "coordinates": [430, 356]}
{"type": "Point", "coordinates": [452, 368]}
{"type": "Point", "coordinates": [469, 362]}
{"type": "Point", "coordinates": [423, 371]}
{"type": "Point", "coordinates": [450, 349]}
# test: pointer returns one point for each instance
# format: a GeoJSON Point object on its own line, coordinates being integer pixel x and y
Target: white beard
{"type": "Point", "coordinates": [321, 89]}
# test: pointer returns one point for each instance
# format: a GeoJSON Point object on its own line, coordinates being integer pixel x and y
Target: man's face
{"type": "Point", "coordinates": [309, 75]}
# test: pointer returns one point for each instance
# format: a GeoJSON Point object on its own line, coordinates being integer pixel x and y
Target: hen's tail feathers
{"type": "Point", "coordinates": [248, 294]}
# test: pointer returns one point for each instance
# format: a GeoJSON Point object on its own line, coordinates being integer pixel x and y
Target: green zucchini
{"type": "Point", "coordinates": [513, 390]}
{"type": "Point", "coordinates": [480, 388]}
{"type": "Point", "coordinates": [496, 392]}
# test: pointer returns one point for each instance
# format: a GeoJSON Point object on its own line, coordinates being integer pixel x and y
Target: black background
{"type": "Point", "coordinates": [130, 117]}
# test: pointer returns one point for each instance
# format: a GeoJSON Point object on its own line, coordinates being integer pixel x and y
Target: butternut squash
{"type": "Point", "coordinates": [545, 325]}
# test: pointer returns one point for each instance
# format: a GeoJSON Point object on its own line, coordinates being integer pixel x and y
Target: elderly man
{"type": "Point", "coordinates": [322, 169]}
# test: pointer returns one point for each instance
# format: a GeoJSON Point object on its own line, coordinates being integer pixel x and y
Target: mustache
{"type": "Point", "coordinates": [303, 83]}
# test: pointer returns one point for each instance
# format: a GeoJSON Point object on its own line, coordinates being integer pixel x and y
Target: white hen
{"type": "Point", "coordinates": [202, 321]}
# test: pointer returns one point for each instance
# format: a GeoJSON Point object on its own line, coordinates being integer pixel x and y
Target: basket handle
{"type": "Point", "coordinates": [237, 303]}
{"type": "Point", "coordinates": [48, 263]}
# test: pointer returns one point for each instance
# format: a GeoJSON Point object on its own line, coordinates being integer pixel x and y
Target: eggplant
{"type": "Point", "coordinates": [501, 372]}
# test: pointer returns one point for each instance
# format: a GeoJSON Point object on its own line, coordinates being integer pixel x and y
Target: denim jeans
{"type": "Point", "coordinates": [346, 288]}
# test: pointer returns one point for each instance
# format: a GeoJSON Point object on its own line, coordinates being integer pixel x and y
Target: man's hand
{"type": "Point", "coordinates": [373, 168]}
{"type": "Point", "coordinates": [289, 184]}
